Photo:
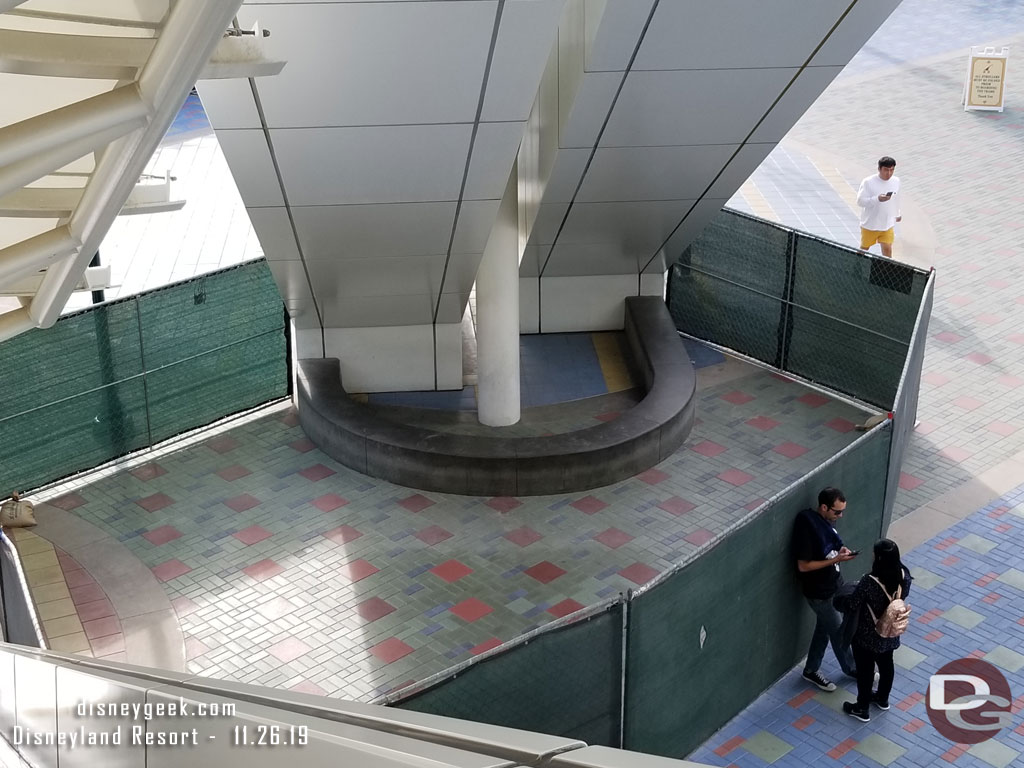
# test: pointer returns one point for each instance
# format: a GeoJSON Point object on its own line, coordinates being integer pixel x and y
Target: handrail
{"type": "Point", "coordinates": [9, 555]}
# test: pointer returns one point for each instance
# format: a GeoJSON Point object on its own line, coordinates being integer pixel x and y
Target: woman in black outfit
{"type": "Point", "coordinates": [869, 648]}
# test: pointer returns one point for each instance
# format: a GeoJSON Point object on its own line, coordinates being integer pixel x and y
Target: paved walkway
{"type": "Point", "coordinates": [963, 214]}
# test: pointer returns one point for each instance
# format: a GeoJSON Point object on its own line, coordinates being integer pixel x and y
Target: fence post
{"type": "Point", "coordinates": [142, 365]}
{"type": "Point", "coordinates": [623, 664]}
{"type": "Point", "coordinates": [786, 307]}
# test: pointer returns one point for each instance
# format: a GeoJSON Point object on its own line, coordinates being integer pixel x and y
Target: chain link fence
{"type": "Point", "coordinates": [125, 375]}
{"type": "Point", "coordinates": [832, 315]}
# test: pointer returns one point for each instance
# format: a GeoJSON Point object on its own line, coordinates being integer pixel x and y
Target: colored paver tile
{"type": "Point", "coordinates": [471, 609]}
{"type": "Point", "coordinates": [963, 617]}
{"type": "Point", "coordinates": [391, 650]}
{"type": "Point", "coordinates": [767, 746]}
{"type": "Point", "coordinates": [545, 572]}
{"type": "Point", "coordinates": [451, 570]}
{"type": "Point", "coordinates": [880, 749]}
{"type": "Point", "coordinates": [1013, 578]}
{"type": "Point", "coordinates": [1005, 658]}
{"type": "Point", "coordinates": [906, 657]}
{"type": "Point", "coordinates": [977, 544]}
{"type": "Point", "coordinates": [995, 753]}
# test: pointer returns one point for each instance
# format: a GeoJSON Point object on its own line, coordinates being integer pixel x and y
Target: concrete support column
{"type": "Point", "coordinates": [497, 317]}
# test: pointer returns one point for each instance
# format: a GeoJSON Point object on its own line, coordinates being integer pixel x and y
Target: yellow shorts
{"type": "Point", "coordinates": [869, 237]}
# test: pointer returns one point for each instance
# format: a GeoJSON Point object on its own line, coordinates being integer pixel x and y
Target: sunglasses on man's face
{"type": "Point", "coordinates": [837, 511]}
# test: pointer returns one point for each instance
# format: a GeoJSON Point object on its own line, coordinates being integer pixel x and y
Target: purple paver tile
{"type": "Point", "coordinates": [523, 537]}
{"type": "Point", "coordinates": [639, 573]}
{"type": "Point", "coordinates": [343, 534]}
{"type": "Point", "coordinates": [589, 505]}
{"type": "Point", "coordinates": [471, 609]}
{"type": "Point", "coordinates": [171, 569]}
{"type": "Point", "coordinates": [416, 503]}
{"type": "Point", "coordinates": [329, 502]}
{"type": "Point", "coordinates": [242, 503]}
{"type": "Point", "coordinates": [288, 649]}
{"type": "Point", "coordinates": [316, 473]}
{"type": "Point", "coordinates": [391, 650]}
{"type": "Point", "coordinates": [252, 535]}
{"type": "Point", "coordinates": [263, 570]}
{"type": "Point", "coordinates": [160, 536]}
{"type": "Point", "coordinates": [155, 503]}
{"type": "Point", "coordinates": [451, 570]}
{"type": "Point", "coordinates": [545, 572]}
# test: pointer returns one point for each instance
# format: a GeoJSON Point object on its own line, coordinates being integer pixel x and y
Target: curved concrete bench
{"type": "Point", "coordinates": [356, 436]}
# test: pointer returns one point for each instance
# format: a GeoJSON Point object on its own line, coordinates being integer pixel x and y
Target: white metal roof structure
{"type": "Point", "coordinates": [88, 88]}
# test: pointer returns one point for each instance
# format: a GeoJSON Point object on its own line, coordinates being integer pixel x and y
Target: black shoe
{"type": "Point", "coordinates": [882, 705]}
{"type": "Point", "coordinates": [856, 712]}
{"type": "Point", "coordinates": [819, 680]}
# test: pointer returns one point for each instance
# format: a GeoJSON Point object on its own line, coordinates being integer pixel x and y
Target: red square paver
{"type": "Point", "coordinates": [638, 573]}
{"type": "Point", "coordinates": [763, 423]}
{"type": "Point", "coordinates": [1010, 381]}
{"type": "Point", "coordinates": [813, 400]}
{"type": "Point", "coordinates": [613, 538]}
{"type": "Point", "coordinates": [914, 725]}
{"type": "Point", "coordinates": [909, 482]}
{"type": "Point", "coordinates": [374, 608]}
{"type": "Point", "coordinates": [485, 646]}
{"type": "Point", "coordinates": [263, 570]}
{"type": "Point", "coordinates": [503, 504]}
{"type": "Point", "coordinates": [708, 448]}
{"type": "Point", "coordinates": [435, 534]}
{"type": "Point", "coordinates": [171, 569]}
{"type": "Point", "coordinates": [960, 300]}
{"type": "Point", "coordinates": [1001, 428]}
{"type": "Point", "coordinates": [160, 536]}
{"type": "Point", "coordinates": [653, 476]}
{"type": "Point", "coordinates": [451, 570]}
{"type": "Point", "coordinates": [148, 471]}
{"type": "Point", "coordinates": [728, 746]}
{"type": "Point", "coordinates": [108, 625]}
{"type": "Point", "coordinates": [343, 534]}
{"type": "Point", "coordinates": [183, 606]}
{"type": "Point", "coordinates": [841, 425]}
{"type": "Point", "coordinates": [234, 472]}
{"type": "Point", "coordinates": [980, 358]}
{"type": "Point", "coordinates": [803, 722]}
{"type": "Point", "coordinates": [358, 570]}
{"type": "Point", "coordinates": [416, 503]}
{"type": "Point", "coordinates": [222, 444]}
{"type": "Point", "coordinates": [790, 450]}
{"type": "Point", "coordinates": [951, 754]}
{"type": "Point", "coordinates": [932, 636]}
{"type": "Point", "coordinates": [97, 609]}
{"type": "Point", "coordinates": [524, 536]}
{"type": "Point", "coordinates": [305, 445]}
{"type": "Point", "coordinates": [288, 649]}
{"type": "Point", "coordinates": [841, 748]}
{"type": "Point", "coordinates": [589, 505]}
{"type": "Point", "coordinates": [967, 403]}
{"type": "Point", "coordinates": [735, 477]}
{"type": "Point", "coordinates": [155, 503]}
{"type": "Point", "coordinates": [801, 698]}
{"type": "Point", "coordinates": [89, 593]}
{"type": "Point", "coordinates": [935, 379]}
{"type": "Point", "coordinates": [737, 397]}
{"type": "Point", "coordinates": [955, 453]}
{"type": "Point", "coordinates": [68, 501]}
{"type": "Point", "coordinates": [194, 648]}
{"type": "Point", "coordinates": [242, 503]}
{"type": "Point", "coordinates": [330, 502]}
{"type": "Point", "coordinates": [252, 535]}
{"type": "Point", "coordinates": [565, 607]}
{"type": "Point", "coordinates": [677, 506]}
{"type": "Point", "coordinates": [78, 577]}
{"type": "Point", "coordinates": [991, 597]}
{"type": "Point", "coordinates": [545, 572]}
{"type": "Point", "coordinates": [472, 609]}
{"type": "Point", "coordinates": [700, 537]}
{"type": "Point", "coordinates": [391, 650]}
{"type": "Point", "coordinates": [316, 473]}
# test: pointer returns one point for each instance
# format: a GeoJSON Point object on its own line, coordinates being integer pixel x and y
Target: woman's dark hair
{"type": "Point", "coordinates": [887, 567]}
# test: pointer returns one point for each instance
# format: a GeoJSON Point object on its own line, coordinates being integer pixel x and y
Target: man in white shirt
{"type": "Point", "coordinates": [878, 198]}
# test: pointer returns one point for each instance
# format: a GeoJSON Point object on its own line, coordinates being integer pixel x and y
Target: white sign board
{"type": "Point", "coordinates": [984, 86]}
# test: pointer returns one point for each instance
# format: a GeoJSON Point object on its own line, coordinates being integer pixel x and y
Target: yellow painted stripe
{"type": "Point", "coordinates": [758, 203]}
{"type": "Point", "coordinates": [613, 366]}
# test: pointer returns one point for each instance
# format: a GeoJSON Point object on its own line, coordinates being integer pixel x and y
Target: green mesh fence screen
{"type": "Point", "coordinates": [744, 595]}
{"type": "Point", "coordinates": [833, 315]}
{"type": "Point", "coordinates": [121, 376]}
{"type": "Point", "coordinates": [566, 682]}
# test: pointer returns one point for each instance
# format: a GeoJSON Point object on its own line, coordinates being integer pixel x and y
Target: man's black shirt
{"type": "Point", "coordinates": [815, 539]}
